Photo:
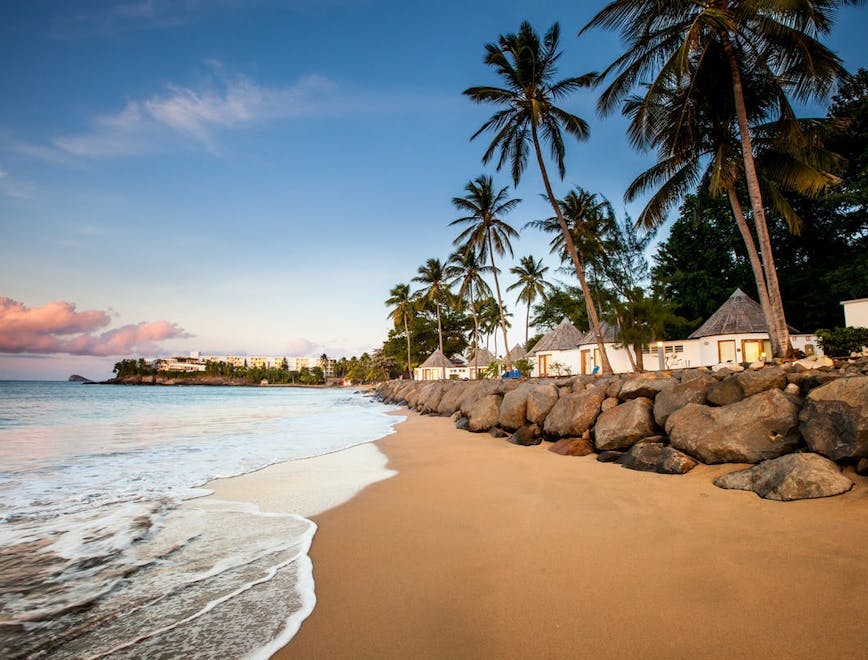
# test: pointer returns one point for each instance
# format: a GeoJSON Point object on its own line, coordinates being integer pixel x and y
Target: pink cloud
{"type": "Point", "coordinates": [59, 328]}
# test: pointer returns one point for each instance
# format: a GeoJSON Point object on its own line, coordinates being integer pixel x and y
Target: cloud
{"type": "Point", "coordinates": [59, 328]}
{"type": "Point", "coordinates": [15, 187]}
{"type": "Point", "coordinates": [302, 346]}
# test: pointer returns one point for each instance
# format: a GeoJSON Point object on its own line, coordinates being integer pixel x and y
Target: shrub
{"type": "Point", "coordinates": [843, 341]}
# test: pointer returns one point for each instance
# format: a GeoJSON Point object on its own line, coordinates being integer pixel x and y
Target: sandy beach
{"type": "Point", "coordinates": [482, 549]}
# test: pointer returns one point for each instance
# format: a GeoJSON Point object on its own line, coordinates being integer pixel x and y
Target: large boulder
{"type": "Point", "coordinates": [527, 435]}
{"type": "Point", "coordinates": [657, 457]}
{"type": "Point", "coordinates": [477, 389]}
{"type": "Point", "coordinates": [725, 392]}
{"type": "Point", "coordinates": [760, 427]}
{"type": "Point", "coordinates": [835, 419]}
{"type": "Point", "coordinates": [759, 380]}
{"type": "Point", "coordinates": [513, 409]}
{"type": "Point", "coordinates": [540, 400]}
{"type": "Point", "coordinates": [644, 385]}
{"type": "Point", "coordinates": [814, 362]}
{"type": "Point", "coordinates": [483, 414]}
{"type": "Point", "coordinates": [573, 414]}
{"type": "Point", "coordinates": [793, 477]}
{"type": "Point", "coordinates": [623, 426]}
{"type": "Point", "coordinates": [572, 447]}
{"type": "Point", "coordinates": [692, 390]}
{"type": "Point", "coordinates": [429, 400]}
{"type": "Point", "coordinates": [451, 399]}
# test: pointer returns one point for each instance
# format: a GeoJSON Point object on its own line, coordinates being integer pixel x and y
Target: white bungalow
{"type": "Point", "coordinates": [556, 354]}
{"type": "Point", "coordinates": [436, 367]}
{"type": "Point", "coordinates": [856, 313]}
{"type": "Point", "coordinates": [477, 363]}
{"type": "Point", "coordinates": [589, 351]}
{"type": "Point", "coordinates": [517, 352]}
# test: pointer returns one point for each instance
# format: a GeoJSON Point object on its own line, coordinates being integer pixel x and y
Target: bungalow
{"type": "Point", "coordinates": [439, 367]}
{"type": "Point", "coordinates": [557, 354]}
{"type": "Point", "coordinates": [856, 313]}
{"type": "Point", "coordinates": [478, 363]}
{"type": "Point", "coordinates": [589, 351]}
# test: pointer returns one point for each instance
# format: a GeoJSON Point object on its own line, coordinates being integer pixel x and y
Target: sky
{"type": "Point", "coordinates": [253, 177]}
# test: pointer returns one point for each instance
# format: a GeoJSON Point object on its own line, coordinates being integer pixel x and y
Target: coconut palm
{"type": "Point", "coordinates": [466, 269]}
{"type": "Point", "coordinates": [774, 37]}
{"type": "Point", "coordinates": [530, 117]}
{"type": "Point", "coordinates": [531, 284]}
{"type": "Point", "coordinates": [403, 307]}
{"type": "Point", "coordinates": [486, 232]}
{"type": "Point", "coordinates": [435, 290]}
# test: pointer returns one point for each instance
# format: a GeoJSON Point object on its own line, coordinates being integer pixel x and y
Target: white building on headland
{"type": "Point", "coordinates": [197, 362]}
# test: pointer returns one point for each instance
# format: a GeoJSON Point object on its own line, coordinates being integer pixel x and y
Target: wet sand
{"type": "Point", "coordinates": [482, 549]}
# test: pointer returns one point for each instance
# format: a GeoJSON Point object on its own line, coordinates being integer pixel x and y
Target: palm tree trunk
{"type": "Point", "coordinates": [475, 336]}
{"type": "Point", "coordinates": [407, 332]}
{"type": "Point", "coordinates": [440, 337]}
{"type": "Point", "coordinates": [752, 255]}
{"type": "Point", "coordinates": [778, 332]}
{"type": "Point", "coordinates": [526, 325]}
{"type": "Point", "coordinates": [499, 303]}
{"type": "Point", "coordinates": [571, 248]}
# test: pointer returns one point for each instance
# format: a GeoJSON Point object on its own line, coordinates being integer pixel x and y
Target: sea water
{"type": "Point", "coordinates": [107, 548]}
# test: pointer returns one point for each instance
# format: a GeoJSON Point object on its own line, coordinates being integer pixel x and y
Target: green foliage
{"type": "Point", "coordinates": [842, 342]}
{"type": "Point", "coordinates": [524, 365]}
{"type": "Point", "coordinates": [132, 367]}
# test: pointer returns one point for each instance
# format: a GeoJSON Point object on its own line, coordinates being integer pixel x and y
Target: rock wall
{"type": "Point", "coordinates": [669, 421]}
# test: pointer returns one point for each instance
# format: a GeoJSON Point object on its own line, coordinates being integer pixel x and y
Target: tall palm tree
{"type": "Point", "coordinates": [530, 117]}
{"type": "Point", "coordinates": [435, 289]}
{"type": "Point", "coordinates": [403, 307]}
{"type": "Point", "coordinates": [775, 37]}
{"type": "Point", "coordinates": [486, 232]}
{"type": "Point", "coordinates": [531, 284]}
{"type": "Point", "coordinates": [465, 269]}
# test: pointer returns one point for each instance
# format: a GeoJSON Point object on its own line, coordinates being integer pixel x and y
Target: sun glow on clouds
{"type": "Point", "coordinates": [59, 328]}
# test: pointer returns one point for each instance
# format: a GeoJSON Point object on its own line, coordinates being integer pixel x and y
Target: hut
{"type": "Point", "coordinates": [436, 367]}
{"type": "Point", "coordinates": [557, 352]}
{"type": "Point", "coordinates": [589, 351]}
{"type": "Point", "coordinates": [478, 362]}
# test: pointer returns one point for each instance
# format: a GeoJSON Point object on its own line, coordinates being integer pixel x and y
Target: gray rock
{"type": "Point", "coordinates": [645, 385]}
{"type": "Point", "coordinates": [793, 477]}
{"type": "Point", "coordinates": [760, 427]}
{"type": "Point", "coordinates": [483, 414]}
{"type": "Point", "coordinates": [540, 401]}
{"type": "Point", "coordinates": [725, 392]}
{"type": "Point", "coordinates": [693, 390]}
{"type": "Point", "coordinates": [527, 435]}
{"type": "Point", "coordinates": [610, 456]}
{"type": "Point", "coordinates": [623, 426]}
{"type": "Point", "coordinates": [513, 409]}
{"type": "Point", "coordinates": [657, 457]}
{"type": "Point", "coordinates": [572, 447]}
{"type": "Point", "coordinates": [463, 424]}
{"type": "Point", "coordinates": [759, 380]}
{"type": "Point", "coordinates": [574, 414]}
{"type": "Point", "coordinates": [834, 421]}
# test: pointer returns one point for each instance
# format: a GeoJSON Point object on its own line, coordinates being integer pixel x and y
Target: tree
{"type": "Point", "coordinates": [402, 308]}
{"type": "Point", "coordinates": [531, 284]}
{"type": "Point", "coordinates": [434, 292]}
{"type": "Point", "coordinates": [465, 269]}
{"type": "Point", "coordinates": [774, 37]}
{"type": "Point", "coordinates": [486, 232]}
{"type": "Point", "coordinates": [529, 118]}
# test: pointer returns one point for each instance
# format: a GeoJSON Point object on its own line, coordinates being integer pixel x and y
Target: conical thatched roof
{"type": "Point", "coordinates": [517, 353]}
{"type": "Point", "coordinates": [436, 359]}
{"type": "Point", "coordinates": [739, 314]}
{"type": "Point", "coordinates": [562, 338]}
{"type": "Point", "coordinates": [482, 357]}
{"type": "Point", "coordinates": [610, 334]}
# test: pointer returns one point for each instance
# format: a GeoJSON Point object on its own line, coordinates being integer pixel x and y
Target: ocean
{"type": "Point", "coordinates": [108, 547]}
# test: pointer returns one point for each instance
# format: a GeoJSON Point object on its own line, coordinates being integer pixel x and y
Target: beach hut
{"type": "Point", "coordinates": [856, 313]}
{"type": "Point", "coordinates": [557, 353]}
{"type": "Point", "coordinates": [589, 351]}
{"type": "Point", "coordinates": [478, 362]}
{"type": "Point", "coordinates": [517, 352]}
{"type": "Point", "coordinates": [435, 367]}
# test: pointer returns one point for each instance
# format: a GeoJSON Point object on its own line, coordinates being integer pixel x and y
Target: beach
{"type": "Point", "coordinates": [479, 548]}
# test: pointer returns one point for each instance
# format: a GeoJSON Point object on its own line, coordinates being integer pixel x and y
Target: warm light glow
{"type": "Point", "coordinates": [659, 344]}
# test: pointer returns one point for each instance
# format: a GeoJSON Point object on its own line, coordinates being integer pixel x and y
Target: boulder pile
{"type": "Point", "coordinates": [799, 422]}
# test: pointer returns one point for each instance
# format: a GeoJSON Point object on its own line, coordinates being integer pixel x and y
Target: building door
{"type": "Point", "coordinates": [587, 365]}
{"type": "Point", "coordinates": [726, 351]}
{"type": "Point", "coordinates": [543, 365]}
{"type": "Point", "coordinates": [752, 350]}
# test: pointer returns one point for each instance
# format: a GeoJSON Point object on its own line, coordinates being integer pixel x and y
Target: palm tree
{"type": "Point", "coordinates": [435, 289]}
{"type": "Point", "coordinates": [531, 117]}
{"type": "Point", "coordinates": [775, 38]}
{"type": "Point", "coordinates": [403, 307]}
{"type": "Point", "coordinates": [465, 269]}
{"type": "Point", "coordinates": [486, 232]}
{"type": "Point", "coordinates": [531, 284]}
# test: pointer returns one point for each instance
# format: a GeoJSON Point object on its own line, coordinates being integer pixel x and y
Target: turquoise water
{"type": "Point", "coordinates": [98, 557]}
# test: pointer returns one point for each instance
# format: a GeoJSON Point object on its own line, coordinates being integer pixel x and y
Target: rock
{"type": "Point", "coordinates": [730, 367]}
{"type": "Point", "coordinates": [609, 403]}
{"type": "Point", "coordinates": [760, 427]}
{"type": "Point", "coordinates": [572, 447]}
{"type": "Point", "coordinates": [834, 421]}
{"type": "Point", "coordinates": [792, 389]}
{"type": "Point", "coordinates": [574, 414]}
{"type": "Point", "coordinates": [657, 457]}
{"type": "Point", "coordinates": [483, 414]}
{"type": "Point", "coordinates": [644, 385]}
{"type": "Point", "coordinates": [75, 378]}
{"type": "Point", "coordinates": [862, 467]}
{"type": "Point", "coordinates": [623, 426]}
{"type": "Point", "coordinates": [463, 424]}
{"type": "Point", "coordinates": [431, 400]}
{"type": "Point", "coordinates": [451, 399]}
{"type": "Point", "coordinates": [756, 366]}
{"type": "Point", "coordinates": [614, 388]}
{"type": "Point", "coordinates": [754, 382]}
{"type": "Point", "coordinates": [527, 435]}
{"type": "Point", "coordinates": [725, 392]}
{"type": "Point", "coordinates": [814, 362]}
{"type": "Point", "coordinates": [809, 380]}
{"type": "Point", "coordinates": [497, 432]}
{"type": "Point", "coordinates": [455, 416]}
{"type": "Point", "coordinates": [513, 409]}
{"type": "Point", "coordinates": [610, 456]}
{"type": "Point", "coordinates": [793, 477]}
{"type": "Point", "coordinates": [540, 401]}
{"type": "Point", "coordinates": [668, 401]}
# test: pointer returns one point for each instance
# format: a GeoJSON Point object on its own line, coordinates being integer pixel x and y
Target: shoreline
{"type": "Point", "coordinates": [479, 548]}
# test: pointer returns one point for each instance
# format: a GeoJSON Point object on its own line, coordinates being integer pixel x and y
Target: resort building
{"type": "Point", "coordinates": [517, 352]}
{"type": "Point", "coordinates": [856, 313]}
{"type": "Point", "coordinates": [438, 367]}
{"type": "Point", "coordinates": [557, 354]}
{"type": "Point", "coordinates": [478, 362]}
{"type": "Point", "coordinates": [589, 351]}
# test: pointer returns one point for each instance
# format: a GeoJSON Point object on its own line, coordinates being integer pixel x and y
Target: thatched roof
{"type": "Point", "coordinates": [739, 314]}
{"type": "Point", "coordinates": [436, 359]}
{"type": "Point", "coordinates": [517, 353]}
{"type": "Point", "coordinates": [610, 334]}
{"type": "Point", "coordinates": [484, 358]}
{"type": "Point", "coordinates": [562, 338]}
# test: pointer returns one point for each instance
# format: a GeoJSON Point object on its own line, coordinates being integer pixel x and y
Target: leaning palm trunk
{"type": "Point", "coordinates": [407, 332]}
{"type": "Point", "coordinates": [499, 305]}
{"type": "Point", "coordinates": [440, 337]}
{"type": "Point", "coordinates": [778, 332]}
{"type": "Point", "coordinates": [571, 248]}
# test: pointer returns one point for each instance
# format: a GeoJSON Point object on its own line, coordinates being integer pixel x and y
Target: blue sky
{"type": "Point", "coordinates": [257, 175]}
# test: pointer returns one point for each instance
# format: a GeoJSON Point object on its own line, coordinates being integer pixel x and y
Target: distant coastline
{"type": "Point", "coordinates": [172, 379]}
